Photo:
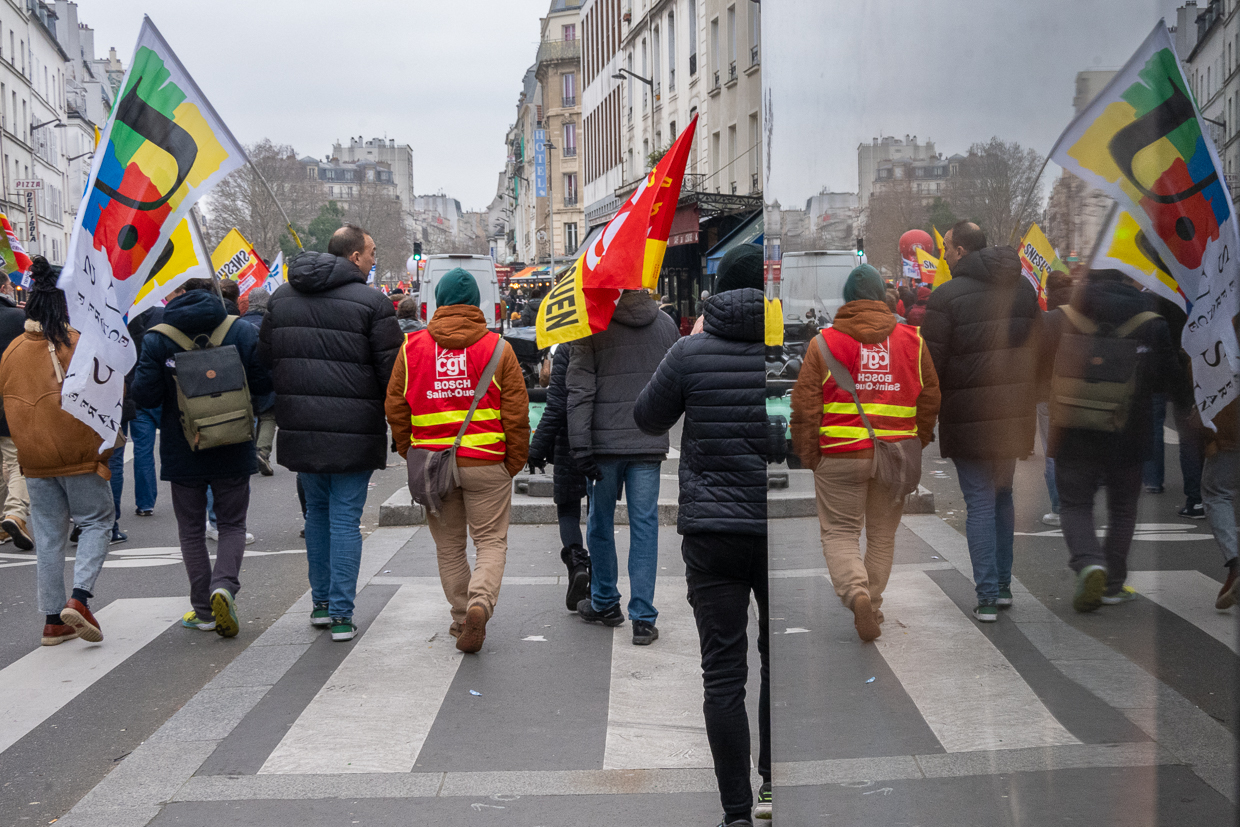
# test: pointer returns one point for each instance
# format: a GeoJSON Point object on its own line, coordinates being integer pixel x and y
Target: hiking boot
{"type": "Point", "coordinates": [79, 617]}
{"type": "Point", "coordinates": [1051, 519]}
{"type": "Point", "coordinates": [57, 633]}
{"type": "Point", "coordinates": [264, 466]}
{"type": "Point", "coordinates": [611, 616]}
{"type": "Point", "coordinates": [473, 631]}
{"type": "Point", "coordinates": [577, 559]}
{"type": "Point", "coordinates": [1191, 510]}
{"type": "Point", "coordinates": [1004, 601]}
{"type": "Point", "coordinates": [16, 528]}
{"type": "Point", "coordinates": [190, 620]}
{"type": "Point", "coordinates": [343, 628]}
{"type": "Point", "coordinates": [1124, 595]}
{"type": "Point", "coordinates": [225, 612]}
{"type": "Point", "coordinates": [986, 611]}
{"type": "Point", "coordinates": [1227, 594]}
{"type": "Point", "coordinates": [762, 808]}
{"type": "Point", "coordinates": [864, 619]}
{"type": "Point", "coordinates": [320, 617]}
{"type": "Point", "coordinates": [118, 536]}
{"type": "Point", "coordinates": [644, 633]}
{"type": "Point", "coordinates": [1089, 585]}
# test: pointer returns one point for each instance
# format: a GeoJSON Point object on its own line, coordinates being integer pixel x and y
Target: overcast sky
{"type": "Point", "coordinates": [442, 77]}
{"type": "Point", "coordinates": [955, 71]}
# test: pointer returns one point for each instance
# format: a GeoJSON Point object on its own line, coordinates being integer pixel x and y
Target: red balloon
{"type": "Point", "coordinates": [913, 239]}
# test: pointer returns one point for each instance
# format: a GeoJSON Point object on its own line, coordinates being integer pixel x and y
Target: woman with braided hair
{"type": "Point", "coordinates": [66, 472]}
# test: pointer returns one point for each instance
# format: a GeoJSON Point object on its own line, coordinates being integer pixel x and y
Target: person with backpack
{"type": "Point", "coordinates": [1107, 352]}
{"type": "Point", "coordinates": [437, 378]}
{"type": "Point", "coordinates": [200, 366]}
{"type": "Point", "coordinates": [66, 471]}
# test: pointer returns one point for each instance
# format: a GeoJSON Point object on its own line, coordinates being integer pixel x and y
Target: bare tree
{"type": "Point", "coordinates": [241, 200]}
{"type": "Point", "coordinates": [997, 186]}
{"type": "Point", "coordinates": [892, 211]}
{"type": "Point", "coordinates": [378, 210]}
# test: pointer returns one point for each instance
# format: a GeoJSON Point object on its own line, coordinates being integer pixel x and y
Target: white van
{"type": "Point", "coordinates": [814, 280]}
{"type": "Point", "coordinates": [483, 271]}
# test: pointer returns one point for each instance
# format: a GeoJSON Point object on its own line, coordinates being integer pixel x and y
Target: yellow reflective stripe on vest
{"type": "Point", "coordinates": [449, 417]}
{"type": "Point", "coordinates": [846, 432]}
{"type": "Point", "coordinates": [869, 408]}
{"type": "Point", "coordinates": [468, 441]}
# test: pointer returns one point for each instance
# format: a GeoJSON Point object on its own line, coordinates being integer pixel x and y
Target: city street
{"type": "Point", "coordinates": [1123, 716]}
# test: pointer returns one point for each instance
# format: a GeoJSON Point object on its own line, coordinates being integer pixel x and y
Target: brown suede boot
{"type": "Point", "coordinates": [863, 618]}
{"type": "Point", "coordinates": [474, 632]}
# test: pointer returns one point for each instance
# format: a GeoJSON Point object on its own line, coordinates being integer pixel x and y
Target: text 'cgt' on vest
{"type": "Point", "coordinates": [440, 386]}
{"type": "Point", "coordinates": [888, 379]}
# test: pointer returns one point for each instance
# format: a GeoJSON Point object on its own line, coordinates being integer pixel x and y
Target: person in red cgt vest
{"type": "Point", "coordinates": [899, 391]}
{"type": "Point", "coordinates": [428, 397]}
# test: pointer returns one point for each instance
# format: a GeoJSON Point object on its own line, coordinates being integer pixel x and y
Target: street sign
{"type": "Point", "coordinates": [35, 184]}
{"type": "Point", "coordinates": [32, 226]}
{"type": "Point", "coordinates": [540, 163]}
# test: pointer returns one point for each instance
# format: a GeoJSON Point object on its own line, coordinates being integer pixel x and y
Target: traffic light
{"type": "Point", "coordinates": [860, 247]}
{"type": "Point", "coordinates": [417, 251]}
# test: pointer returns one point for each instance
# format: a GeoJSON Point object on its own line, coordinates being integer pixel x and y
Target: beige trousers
{"type": "Point", "coordinates": [12, 483]}
{"type": "Point", "coordinates": [482, 505]}
{"type": "Point", "coordinates": [848, 499]}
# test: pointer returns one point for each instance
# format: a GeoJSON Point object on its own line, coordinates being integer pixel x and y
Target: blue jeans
{"type": "Point", "coordinates": [145, 484]}
{"type": "Point", "coordinates": [641, 489]}
{"type": "Point", "coordinates": [1048, 472]}
{"type": "Point", "coordinates": [334, 504]}
{"type": "Point", "coordinates": [991, 521]}
{"type": "Point", "coordinates": [53, 502]}
{"type": "Point", "coordinates": [1155, 471]}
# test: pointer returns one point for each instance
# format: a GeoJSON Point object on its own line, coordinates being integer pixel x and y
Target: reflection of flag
{"type": "Point", "coordinates": [184, 257]}
{"type": "Point", "coordinates": [942, 273]}
{"type": "Point", "coordinates": [1124, 247]}
{"type": "Point", "coordinates": [162, 149]}
{"type": "Point", "coordinates": [774, 319]}
{"type": "Point", "coordinates": [927, 266]}
{"type": "Point", "coordinates": [15, 258]}
{"type": "Point", "coordinates": [1142, 142]}
{"type": "Point", "coordinates": [276, 277]}
{"type": "Point", "coordinates": [627, 255]}
{"type": "Point", "coordinates": [910, 270]}
{"type": "Point", "coordinates": [1037, 259]}
{"type": "Point", "coordinates": [234, 258]}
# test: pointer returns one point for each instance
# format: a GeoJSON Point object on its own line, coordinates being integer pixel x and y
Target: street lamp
{"type": "Point", "coordinates": [648, 81]}
{"type": "Point", "coordinates": [45, 123]}
{"type": "Point", "coordinates": [83, 155]}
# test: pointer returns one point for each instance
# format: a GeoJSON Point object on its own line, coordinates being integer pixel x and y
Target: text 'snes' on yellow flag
{"type": "Point", "coordinates": [943, 273]}
{"type": "Point", "coordinates": [774, 322]}
{"type": "Point", "coordinates": [928, 266]}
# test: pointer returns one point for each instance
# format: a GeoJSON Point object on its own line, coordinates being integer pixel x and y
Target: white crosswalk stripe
{"type": "Point", "coordinates": [1191, 595]}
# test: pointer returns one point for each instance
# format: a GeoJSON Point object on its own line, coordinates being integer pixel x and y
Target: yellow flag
{"type": "Point", "coordinates": [942, 273]}
{"type": "Point", "coordinates": [184, 257]}
{"type": "Point", "coordinates": [928, 266]}
{"type": "Point", "coordinates": [774, 322]}
{"type": "Point", "coordinates": [235, 259]}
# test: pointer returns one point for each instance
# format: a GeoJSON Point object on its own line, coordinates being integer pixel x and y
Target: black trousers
{"type": "Point", "coordinates": [722, 570]}
{"type": "Point", "coordinates": [1078, 481]}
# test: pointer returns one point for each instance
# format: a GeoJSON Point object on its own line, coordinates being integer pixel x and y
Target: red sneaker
{"type": "Point", "coordinates": [79, 617]}
{"type": "Point", "coordinates": [54, 633]}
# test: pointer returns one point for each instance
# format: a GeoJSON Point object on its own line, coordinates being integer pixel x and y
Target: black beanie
{"type": "Point", "coordinates": [741, 267]}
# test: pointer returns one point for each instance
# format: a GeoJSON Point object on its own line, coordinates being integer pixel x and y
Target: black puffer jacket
{"type": "Point", "coordinates": [195, 313]}
{"type": "Point", "coordinates": [1108, 301]}
{"type": "Point", "coordinates": [551, 438]}
{"type": "Point", "coordinates": [529, 313]}
{"type": "Point", "coordinates": [12, 325]}
{"type": "Point", "coordinates": [331, 342]}
{"type": "Point", "coordinates": [607, 371]}
{"type": "Point", "coordinates": [982, 330]}
{"type": "Point", "coordinates": [717, 380]}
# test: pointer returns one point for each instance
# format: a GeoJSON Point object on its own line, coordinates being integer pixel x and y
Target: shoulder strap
{"type": "Point", "coordinates": [844, 379]}
{"type": "Point", "coordinates": [1078, 320]}
{"type": "Point", "coordinates": [1130, 327]}
{"type": "Point", "coordinates": [175, 335]}
{"type": "Point", "coordinates": [217, 335]}
{"type": "Point", "coordinates": [484, 382]}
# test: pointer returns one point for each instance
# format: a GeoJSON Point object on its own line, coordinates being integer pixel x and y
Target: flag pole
{"type": "Point", "coordinates": [1032, 188]}
{"type": "Point", "coordinates": [215, 279]}
{"type": "Point", "coordinates": [287, 223]}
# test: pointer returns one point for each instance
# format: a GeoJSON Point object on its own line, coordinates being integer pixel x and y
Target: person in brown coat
{"type": "Point", "coordinates": [899, 390]}
{"type": "Point", "coordinates": [66, 472]}
{"type": "Point", "coordinates": [431, 389]}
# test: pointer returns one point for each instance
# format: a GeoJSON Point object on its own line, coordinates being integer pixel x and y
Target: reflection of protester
{"type": "Point", "coordinates": [830, 437]}
{"type": "Point", "coordinates": [1058, 293]}
{"type": "Point", "coordinates": [529, 314]}
{"type": "Point", "coordinates": [1187, 425]}
{"type": "Point", "coordinates": [716, 380]}
{"type": "Point", "coordinates": [265, 406]}
{"type": "Point", "coordinates": [1219, 480]}
{"type": "Point", "coordinates": [918, 312]}
{"type": "Point", "coordinates": [66, 472]}
{"type": "Point", "coordinates": [408, 315]}
{"type": "Point", "coordinates": [666, 305]}
{"type": "Point", "coordinates": [13, 491]}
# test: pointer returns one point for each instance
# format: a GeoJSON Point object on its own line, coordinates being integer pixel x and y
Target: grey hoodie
{"type": "Point", "coordinates": [607, 372]}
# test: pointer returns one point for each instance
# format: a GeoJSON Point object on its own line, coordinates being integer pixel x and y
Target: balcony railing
{"type": "Point", "coordinates": [731, 71]}
{"type": "Point", "coordinates": [671, 80]}
{"type": "Point", "coordinates": [715, 85]}
{"type": "Point", "coordinates": [753, 183]}
{"type": "Point", "coordinates": [568, 101]}
{"type": "Point", "coordinates": [570, 200]}
{"type": "Point", "coordinates": [753, 55]}
{"type": "Point", "coordinates": [558, 50]}
{"type": "Point", "coordinates": [734, 188]}
{"type": "Point", "coordinates": [630, 116]}
{"type": "Point", "coordinates": [693, 64]}
{"type": "Point", "coordinates": [658, 93]}
{"type": "Point", "coordinates": [570, 152]}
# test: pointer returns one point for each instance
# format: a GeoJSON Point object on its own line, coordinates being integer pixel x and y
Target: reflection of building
{"type": "Point", "coordinates": [888, 148]}
{"type": "Point", "coordinates": [558, 72]}
{"type": "Point", "coordinates": [926, 177]}
{"type": "Point", "coordinates": [1204, 39]}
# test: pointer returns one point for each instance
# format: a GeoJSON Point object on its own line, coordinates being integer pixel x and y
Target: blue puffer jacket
{"type": "Point", "coordinates": [717, 380]}
{"type": "Point", "coordinates": [195, 313]}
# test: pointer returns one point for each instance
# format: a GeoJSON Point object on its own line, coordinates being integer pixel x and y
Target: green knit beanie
{"type": "Point", "coordinates": [864, 282]}
{"type": "Point", "coordinates": [457, 286]}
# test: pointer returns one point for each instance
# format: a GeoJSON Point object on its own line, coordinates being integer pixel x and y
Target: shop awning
{"type": "Point", "coordinates": [749, 232]}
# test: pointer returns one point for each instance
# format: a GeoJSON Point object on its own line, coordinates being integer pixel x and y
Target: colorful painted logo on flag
{"type": "Point", "coordinates": [1150, 143]}
{"type": "Point", "coordinates": [184, 257]}
{"type": "Point", "coordinates": [158, 143]}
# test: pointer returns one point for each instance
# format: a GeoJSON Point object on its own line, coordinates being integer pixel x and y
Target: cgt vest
{"type": "Point", "coordinates": [888, 379]}
{"type": "Point", "coordinates": [439, 387]}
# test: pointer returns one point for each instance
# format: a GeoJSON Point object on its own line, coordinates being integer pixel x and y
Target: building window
{"type": "Point", "coordinates": [671, 51]}
{"type": "Point", "coordinates": [714, 50]}
{"type": "Point", "coordinates": [645, 73]}
{"type": "Point", "coordinates": [693, 37]}
{"type": "Point", "coordinates": [570, 89]}
{"type": "Point", "coordinates": [570, 140]}
{"type": "Point", "coordinates": [569, 31]}
{"type": "Point", "coordinates": [755, 32]}
{"type": "Point", "coordinates": [570, 237]}
{"type": "Point", "coordinates": [731, 42]}
{"type": "Point", "coordinates": [732, 158]}
{"type": "Point", "coordinates": [570, 189]}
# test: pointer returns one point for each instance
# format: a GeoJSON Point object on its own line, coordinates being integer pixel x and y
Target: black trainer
{"type": "Point", "coordinates": [1193, 511]}
{"type": "Point", "coordinates": [577, 559]}
{"type": "Point", "coordinates": [644, 633]}
{"type": "Point", "coordinates": [611, 616]}
{"type": "Point", "coordinates": [740, 822]}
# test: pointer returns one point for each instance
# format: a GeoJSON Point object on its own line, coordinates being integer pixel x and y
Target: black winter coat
{"type": "Point", "coordinates": [982, 331]}
{"type": "Point", "coordinates": [717, 380]}
{"type": "Point", "coordinates": [1111, 303]}
{"type": "Point", "coordinates": [12, 325]}
{"type": "Point", "coordinates": [195, 313]}
{"type": "Point", "coordinates": [529, 313]}
{"type": "Point", "coordinates": [330, 341]}
{"type": "Point", "coordinates": [550, 439]}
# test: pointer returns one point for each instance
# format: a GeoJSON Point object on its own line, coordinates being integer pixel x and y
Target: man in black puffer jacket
{"type": "Point", "coordinates": [331, 342]}
{"type": "Point", "coordinates": [982, 332]}
{"type": "Point", "coordinates": [717, 380]}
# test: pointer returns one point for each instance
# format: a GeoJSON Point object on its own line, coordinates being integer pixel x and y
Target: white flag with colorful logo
{"type": "Point", "coordinates": [276, 277]}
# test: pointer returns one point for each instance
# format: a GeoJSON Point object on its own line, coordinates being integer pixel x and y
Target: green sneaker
{"type": "Point", "coordinates": [986, 613]}
{"type": "Point", "coordinates": [1005, 598]}
{"type": "Point", "coordinates": [343, 628]}
{"type": "Point", "coordinates": [762, 809]}
{"type": "Point", "coordinates": [1124, 595]}
{"type": "Point", "coordinates": [1089, 585]}
{"type": "Point", "coordinates": [190, 621]}
{"type": "Point", "coordinates": [225, 611]}
{"type": "Point", "coordinates": [320, 616]}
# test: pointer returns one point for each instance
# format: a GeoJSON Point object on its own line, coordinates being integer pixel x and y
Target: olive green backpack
{"type": "Point", "coordinates": [1095, 374]}
{"type": "Point", "coordinates": [212, 392]}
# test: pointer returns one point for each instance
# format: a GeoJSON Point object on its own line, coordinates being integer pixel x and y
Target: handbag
{"type": "Point", "coordinates": [433, 475]}
{"type": "Point", "coordinates": [897, 465]}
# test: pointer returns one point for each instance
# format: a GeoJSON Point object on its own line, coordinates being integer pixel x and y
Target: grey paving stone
{"type": "Point", "coordinates": [110, 817]}
{"type": "Point", "coordinates": [148, 777]}
{"type": "Point", "coordinates": [260, 666]}
{"type": "Point", "coordinates": [210, 715]}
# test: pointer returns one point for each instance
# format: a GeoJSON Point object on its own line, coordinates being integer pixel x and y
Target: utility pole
{"type": "Point", "coordinates": [550, 211]}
